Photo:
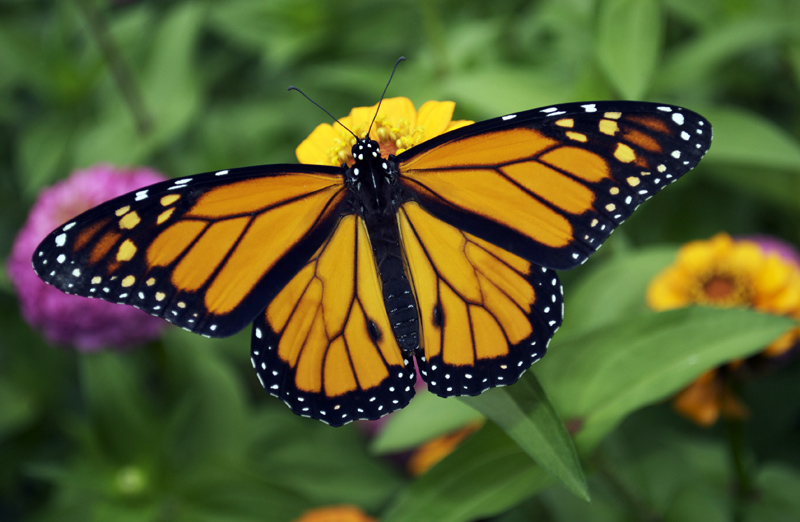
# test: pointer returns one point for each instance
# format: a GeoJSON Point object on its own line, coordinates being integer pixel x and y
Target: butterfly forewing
{"type": "Point", "coordinates": [325, 345]}
{"type": "Point", "coordinates": [205, 252]}
{"type": "Point", "coordinates": [551, 184]}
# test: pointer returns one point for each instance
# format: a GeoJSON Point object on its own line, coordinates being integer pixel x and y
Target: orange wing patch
{"type": "Point", "coordinates": [551, 184]}
{"type": "Point", "coordinates": [479, 174]}
{"type": "Point", "coordinates": [328, 332]}
{"type": "Point", "coordinates": [485, 314]}
{"type": "Point", "coordinates": [202, 252]}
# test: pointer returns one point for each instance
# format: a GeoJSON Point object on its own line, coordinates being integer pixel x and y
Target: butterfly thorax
{"type": "Point", "coordinates": [370, 181]}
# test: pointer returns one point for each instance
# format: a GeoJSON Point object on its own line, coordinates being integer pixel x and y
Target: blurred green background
{"type": "Point", "coordinates": [180, 429]}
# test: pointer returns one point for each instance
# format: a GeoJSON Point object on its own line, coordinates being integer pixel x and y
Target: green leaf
{"type": "Point", "coordinates": [301, 455]}
{"type": "Point", "coordinates": [526, 415]}
{"type": "Point", "coordinates": [281, 30]}
{"type": "Point", "coordinates": [170, 84]}
{"type": "Point", "coordinates": [43, 146]}
{"type": "Point", "coordinates": [211, 413]}
{"type": "Point", "coordinates": [615, 289]}
{"type": "Point", "coordinates": [746, 144]}
{"type": "Point", "coordinates": [485, 475]}
{"type": "Point", "coordinates": [425, 418]}
{"type": "Point", "coordinates": [742, 137]}
{"type": "Point", "coordinates": [18, 410]}
{"type": "Point", "coordinates": [777, 485]}
{"type": "Point", "coordinates": [702, 57]}
{"type": "Point", "coordinates": [500, 90]}
{"type": "Point", "coordinates": [628, 43]}
{"type": "Point", "coordinates": [169, 90]}
{"type": "Point", "coordinates": [117, 407]}
{"type": "Point", "coordinates": [599, 377]}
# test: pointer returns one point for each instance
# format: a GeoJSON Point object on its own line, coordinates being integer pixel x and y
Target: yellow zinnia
{"type": "Point", "coordinates": [725, 272]}
{"type": "Point", "coordinates": [398, 126]}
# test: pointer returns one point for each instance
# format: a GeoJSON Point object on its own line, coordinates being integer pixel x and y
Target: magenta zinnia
{"type": "Point", "coordinates": [86, 324]}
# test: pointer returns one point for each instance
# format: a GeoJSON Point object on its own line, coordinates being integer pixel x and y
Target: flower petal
{"type": "Point", "coordinates": [700, 400]}
{"type": "Point", "coordinates": [434, 117]}
{"type": "Point", "coordinates": [314, 149]}
{"type": "Point", "coordinates": [397, 110]}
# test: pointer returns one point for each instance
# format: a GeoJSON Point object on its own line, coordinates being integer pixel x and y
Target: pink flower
{"type": "Point", "coordinates": [87, 324]}
{"type": "Point", "coordinates": [773, 245]}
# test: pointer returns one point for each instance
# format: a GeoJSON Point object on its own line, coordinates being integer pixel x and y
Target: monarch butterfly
{"type": "Point", "coordinates": [444, 254]}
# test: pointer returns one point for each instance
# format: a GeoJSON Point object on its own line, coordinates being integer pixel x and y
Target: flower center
{"type": "Point", "coordinates": [723, 289]}
{"type": "Point", "coordinates": [392, 139]}
{"type": "Point", "coordinates": [718, 288]}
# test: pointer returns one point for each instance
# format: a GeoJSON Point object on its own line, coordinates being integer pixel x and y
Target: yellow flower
{"type": "Point", "coordinates": [725, 272]}
{"type": "Point", "coordinates": [343, 513]}
{"type": "Point", "coordinates": [398, 127]}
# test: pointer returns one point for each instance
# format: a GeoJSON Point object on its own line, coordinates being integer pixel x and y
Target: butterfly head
{"type": "Point", "coordinates": [367, 162]}
{"type": "Point", "coordinates": [371, 177]}
{"type": "Point", "coordinates": [366, 150]}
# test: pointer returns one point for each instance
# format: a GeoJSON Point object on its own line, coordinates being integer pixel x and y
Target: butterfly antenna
{"type": "Point", "coordinates": [401, 59]}
{"type": "Point", "coordinates": [323, 109]}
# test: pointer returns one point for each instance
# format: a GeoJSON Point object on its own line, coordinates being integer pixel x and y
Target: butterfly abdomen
{"type": "Point", "coordinates": [400, 304]}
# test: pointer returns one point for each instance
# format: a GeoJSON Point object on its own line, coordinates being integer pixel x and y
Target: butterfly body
{"type": "Point", "coordinates": [443, 255]}
{"type": "Point", "coordinates": [372, 181]}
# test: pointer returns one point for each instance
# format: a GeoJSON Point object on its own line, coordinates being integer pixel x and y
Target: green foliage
{"type": "Point", "coordinates": [180, 429]}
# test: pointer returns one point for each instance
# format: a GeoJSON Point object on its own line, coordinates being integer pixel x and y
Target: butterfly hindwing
{"type": "Point", "coordinates": [325, 345]}
{"type": "Point", "coordinates": [205, 252]}
{"type": "Point", "coordinates": [485, 314]}
{"type": "Point", "coordinates": [551, 184]}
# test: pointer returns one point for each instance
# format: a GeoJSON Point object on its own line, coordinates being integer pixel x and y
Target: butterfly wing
{"type": "Point", "coordinates": [551, 184]}
{"type": "Point", "coordinates": [325, 345]}
{"type": "Point", "coordinates": [205, 252]}
{"type": "Point", "coordinates": [485, 314]}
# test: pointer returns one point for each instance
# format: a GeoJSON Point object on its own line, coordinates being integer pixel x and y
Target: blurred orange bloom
{"type": "Point", "coordinates": [344, 513]}
{"type": "Point", "coordinates": [433, 451]}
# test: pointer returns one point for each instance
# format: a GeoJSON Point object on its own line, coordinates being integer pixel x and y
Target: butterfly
{"type": "Point", "coordinates": [443, 256]}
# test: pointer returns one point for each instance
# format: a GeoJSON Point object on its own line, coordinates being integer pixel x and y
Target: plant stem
{"type": "Point", "coordinates": [98, 27]}
{"type": "Point", "coordinates": [744, 482]}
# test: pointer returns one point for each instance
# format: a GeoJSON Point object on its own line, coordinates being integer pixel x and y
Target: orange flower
{"type": "Point", "coordinates": [706, 398]}
{"type": "Point", "coordinates": [398, 127]}
{"type": "Point", "coordinates": [430, 453]}
{"type": "Point", "coordinates": [343, 513]}
{"type": "Point", "coordinates": [725, 272]}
